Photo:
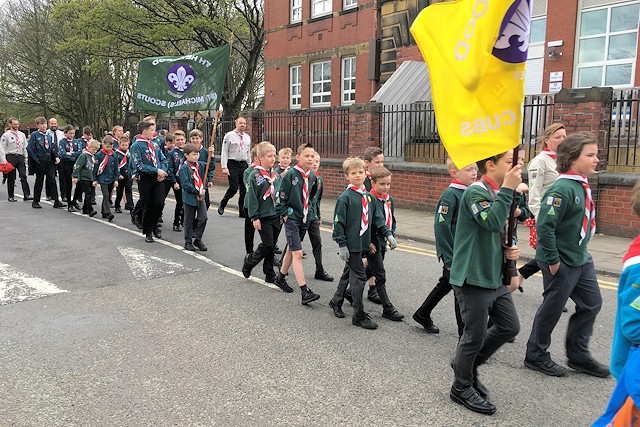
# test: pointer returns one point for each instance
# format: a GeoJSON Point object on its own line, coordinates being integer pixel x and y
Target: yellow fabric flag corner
{"type": "Point", "coordinates": [476, 52]}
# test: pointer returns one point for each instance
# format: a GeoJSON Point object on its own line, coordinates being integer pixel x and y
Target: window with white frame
{"type": "Point", "coordinates": [321, 84]}
{"type": "Point", "coordinates": [296, 10]}
{"type": "Point", "coordinates": [295, 78]}
{"type": "Point", "coordinates": [349, 4]}
{"type": "Point", "coordinates": [320, 7]}
{"type": "Point", "coordinates": [607, 45]}
{"type": "Point", "coordinates": [348, 80]}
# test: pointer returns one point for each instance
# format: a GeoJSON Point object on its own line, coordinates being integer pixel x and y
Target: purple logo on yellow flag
{"type": "Point", "coordinates": [476, 52]}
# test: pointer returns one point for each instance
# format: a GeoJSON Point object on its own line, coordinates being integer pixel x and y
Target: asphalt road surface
{"type": "Point", "coordinates": [99, 328]}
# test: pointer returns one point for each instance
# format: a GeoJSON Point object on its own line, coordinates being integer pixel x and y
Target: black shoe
{"type": "Point", "coordinates": [590, 367]}
{"type": "Point", "coordinates": [118, 210]}
{"type": "Point", "coordinates": [48, 198]}
{"type": "Point", "coordinates": [392, 314]}
{"type": "Point", "coordinates": [12, 199]}
{"type": "Point", "coordinates": [36, 205]}
{"type": "Point", "coordinates": [308, 296]}
{"type": "Point", "coordinates": [64, 199]}
{"type": "Point", "coordinates": [323, 275]}
{"type": "Point", "coordinates": [157, 232]}
{"type": "Point", "coordinates": [220, 210]}
{"type": "Point", "coordinates": [548, 367]}
{"type": "Point", "coordinates": [93, 213]}
{"type": "Point", "coordinates": [246, 270]}
{"type": "Point", "coordinates": [201, 246]}
{"type": "Point", "coordinates": [277, 250]}
{"type": "Point", "coordinates": [480, 388]}
{"type": "Point", "coordinates": [149, 238]}
{"type": "Point", "coordinates": [71, 209]}
{"type": "Point", "coordinates": [189, 246]}
{"type": "Point", "coordinates": [27, 198]}
{"type": "Point", "coordinates": [337, 310]}
{"type": "Point", "coordinates": [128, 207]}
{"type": "Point", "coordinates": [270, 279]}
{"type": "Point", "coordinates": [348, 296]}
{"type": "Point", "coordinates": [77, 206]}
{"type": "Point", "coordinates": [110, 217]}
{"type": "Point", "coordinates": [177, 227]}
{"type": "Point", "coordinates": [373, 295]}
{"type": "Point", "coordinates": [57, 204]}
{"type": "Point", "coordinates": [471, 399]}
{"type": "Point", "coordinates": [365, 323]}
{"type": "Point", "coordinates": [426, 323]}
{"type": "Point", "coordinates": [281, 282]}
{"type": "Point", "coordinates": [110, 204]}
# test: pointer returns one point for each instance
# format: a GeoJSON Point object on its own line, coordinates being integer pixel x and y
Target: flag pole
{"type": "Point", "coordinates": [211, 147]}
{"type": "Point", "coordinates": [510, 269]}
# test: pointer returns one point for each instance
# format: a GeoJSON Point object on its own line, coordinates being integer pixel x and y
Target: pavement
{"type": "Point", "coordinates": [417, 225]}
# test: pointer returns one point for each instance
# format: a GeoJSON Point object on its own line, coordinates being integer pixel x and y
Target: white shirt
{"type": "Point", "coordinates": [8, 145]}
{"type": "Point", "coordinates": [542, 173]}
{"type": "Point", "coordinates": [231, 147]}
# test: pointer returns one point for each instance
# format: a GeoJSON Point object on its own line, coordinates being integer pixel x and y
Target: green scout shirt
{"type": "Point", "coordinates": [346, 221]}
{"type": "Point", "coordinates": [477, 248]}
{"type": "Point", "coordinates": [258, 204]}
{"type": "Point", "coordinates": [315, 202]}
{"type": "Point", "coordinates": [559, 223]}
{"type": "Point", "coordinates": [445, 222]}
{"type": "Point", "coordinates": [381, 239]}
{"type": "Point", "coordinates": [289, 197]}
{"type": "Point", "coordinates": [83, 168]}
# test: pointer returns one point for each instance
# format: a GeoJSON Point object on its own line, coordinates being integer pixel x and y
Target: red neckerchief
{"type": "Point", "coordinates": [388, 217]}
{"type": "Point", "coordinates": [46, 140]}
{"type": "Point", "coordinates": [241, 140]}
{"type": "Point", "coordinates": [15, 134]}
{"type": "Point", "coordinates": [305, 191]}
{"type": "Point", "coordinates": [86, 141]}
{"type": "Point", "coordinates": [124, 157]}
{"type": "Point", "coordinates": [270, 178]}
{"type": "Point", "coordinates": [457, 184]}
{"type": "Point", "coordinates": [70, 141]}
{"type": "Point", "coordinates": [633, 254]}
{"type": "Point", "coordinates": [493, 185]}
{"type": "Point", "coordinates": [93, 160]}
{"type": "Point", "coordinates": [368, 174]}
{"type": "Point", "coordinates": [105, 161]}
{"type": "Point", "coordinates": [589, 219]}
{"type": "Point", "coordinates": [549, 153]}
{"type": "Point", "coordinates": [197, 180]}
{"type": "Point", "coordinates": [151, 150]}
{"type": "Point", "coordinates": [364, 218]}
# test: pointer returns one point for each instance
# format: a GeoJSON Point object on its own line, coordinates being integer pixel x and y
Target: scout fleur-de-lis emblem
{"type": "Point", "coordinates": [180, 77]}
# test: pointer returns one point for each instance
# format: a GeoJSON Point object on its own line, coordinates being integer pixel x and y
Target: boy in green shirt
{"type": "Point", "coordinates": [356, 218]}
{"type": "Point", "coordinates": [82, 175]}
{"type": "Point", "coordinates": [565, 223]}
{"type": "Point", "coordinates": [261, 210]}
{"type": "Point", "coordinates": [476, 276]}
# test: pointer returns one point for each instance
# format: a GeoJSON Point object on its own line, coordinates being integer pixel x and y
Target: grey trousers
{"type": "Point", "coordinates": [354, 276]}
{"type": "Point", "coordinates": [478, 342]}
{"type": "Point", "coordinates": [581, 285]}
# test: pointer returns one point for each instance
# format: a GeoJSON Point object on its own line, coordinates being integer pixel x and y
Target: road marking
{"type": "Point", "coordinates": [143, 265]}
{"type": "Point", "coordinates": [16, 286]}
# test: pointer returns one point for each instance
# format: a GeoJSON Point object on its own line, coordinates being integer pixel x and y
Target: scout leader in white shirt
{"type": "Point", "coordinates": [13, 149]}
{"type": "Point", "coordinates": [236, 148]}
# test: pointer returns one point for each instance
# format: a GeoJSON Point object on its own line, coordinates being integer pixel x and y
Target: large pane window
{"type": "Point", "coordinates": [607, 45]}
{"type": "Point", "coordinates": [296, 87]}
{"type": "Point", "coordinates": [296, 10]}
{"type": "Point", "coordinates": [348, 80]}
{"type": "Point", "coordinates": [348, 4]}
{"type": "Point", "coordinates": [320, 7]}
{"type": "Point", "coordinates": [321, 84]}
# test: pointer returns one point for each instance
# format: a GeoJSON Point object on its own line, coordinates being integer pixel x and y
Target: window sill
{"type": "Point", "coordinates": [294, 24]}
{"type": "Point", "coordinates": [349, 10]}
{"type": "Point", "coordinates": [320, 18]}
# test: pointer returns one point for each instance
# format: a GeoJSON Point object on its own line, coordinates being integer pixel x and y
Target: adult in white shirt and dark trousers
{"type": "Point", "coordinates": [236, 149]}
{"type": "Point", "coordinates": [13, 149]}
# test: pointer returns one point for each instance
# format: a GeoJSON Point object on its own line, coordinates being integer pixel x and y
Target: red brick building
{"type": "Point", "coordinates": [321, 53]}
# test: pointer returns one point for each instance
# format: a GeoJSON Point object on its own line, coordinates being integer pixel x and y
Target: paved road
{"type": "Point", "coordinates": [117, 332]}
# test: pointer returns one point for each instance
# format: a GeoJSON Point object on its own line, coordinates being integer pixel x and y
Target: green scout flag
{"type": "Point", "coordinates": [189, 83]}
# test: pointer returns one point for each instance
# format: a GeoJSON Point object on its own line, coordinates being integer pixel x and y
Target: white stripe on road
{"type": "Point", "coordinates": [16, 286]}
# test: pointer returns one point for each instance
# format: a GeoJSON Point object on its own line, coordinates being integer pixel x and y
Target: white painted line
{"type": "Point", "coordinates": [194, 254]}
{"type": "Point", "coordinates": [16, 286]}
{"type": "Point", "coordinates": [143, 265]}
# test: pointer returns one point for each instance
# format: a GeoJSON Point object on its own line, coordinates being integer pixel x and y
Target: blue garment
{"type": "Point", "coordinates": [204, 155]}
{"type": "Point", "coordinates": [175, 160]}
{"type": "Point", "coordinates": [110, 171]}
{"type": "Point", "coordinates": [189, 190]}
{"type": "Point", "coordinates": [142, 159]}
{"type": "Point", "coordinates": [69, 145]}
{"type": "Point", "coordinates": [41, 145]}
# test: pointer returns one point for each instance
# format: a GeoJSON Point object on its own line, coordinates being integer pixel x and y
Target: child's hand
{"type": "Point", "coordinates": [74, 180]}
{"type": "Point", "coordinates": [393, 243]}
{"type": "Point", "coordinates": [257, 225]}
{"type": "Point", "coordinates": [94, 183]}
{"type": "Point", "coordinates": [513, 177]}
{"type": "Point", "coordinates": [512, 253]}
{"type": "Point", "coordinates": [522, 188]}
{"type": "Point", "coordinates": [115, 184]}
{"type": "Point", "coordinates": [176, 186]}
{"type": "Point", "coordinates": [372, 248]}
{"type": "Point", "coordinates": [516, 282]}
{"type": "Point", "coordinates": [211, 148]}
{"type": "Point", "coordinates": [121, 177]}
{"type": "Point", "coordinates": [202, 192]}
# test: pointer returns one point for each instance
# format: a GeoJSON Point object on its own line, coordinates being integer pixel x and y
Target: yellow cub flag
{"type": "Point", "coordinates": [476, 52]}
